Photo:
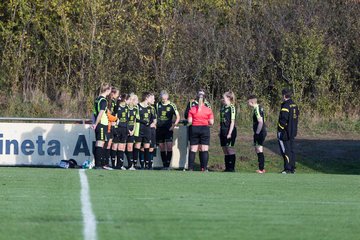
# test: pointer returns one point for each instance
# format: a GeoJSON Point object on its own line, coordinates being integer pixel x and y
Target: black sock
{"type": "Point", "coordinates": [232, 161]}
{"type": "Point", "coordinates": [201, 159]}
{"type": "Point", "coordinates": [129, 157]}
{"type": "Point", "coordinates": [136, 156]}
{"type": "Point", "coordinates": [98, 157]}
{"type": "Point", "coordinates": [106, 156]}
{"type": "Point", "coordinates": [191, 160]}
{"type": "Point", "coordinates": [152, 156]}
{"type": "Point", "coordinates": [120, 159]}
{"type": "Point", "coordinates": [226, 160]}
{"type": "Point", "coordinates": [261, 160]}
{"type": "Point", "coordinates": [147, 157]}
{"type": "Point", "coordinates": [169, 157]}
{"type": "Point", "coordinates": [113, 157]}
{"type": "Point", "coordinates": [164, 158]}
{"type": "Point", "coordinates": [154, 153]}
{"type": "Point", "coordinates": [204, 158]}
{"type": "Point", "coordinates": [141, 157]}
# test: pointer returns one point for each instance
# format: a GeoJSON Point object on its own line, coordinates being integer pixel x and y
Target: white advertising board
{"type": "Point", "coordinates": [46, 144]}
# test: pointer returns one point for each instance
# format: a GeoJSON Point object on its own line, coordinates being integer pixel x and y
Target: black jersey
{"type": "Point", "coordinates": [227, 114]}
{"type": "Point", "coordinates": [258, 112]}
{"type": "Point", "coordinates": [165, 113]}
{"type": "Point", "coordinates": [113, 108]}
{"type": "Point", "coordinates": [132, 117]}
{"type": "Point", "coordinates": [144, 115]}
{"type": "Point", "coordinates": [122, 115]}
{"type": "Point", "coordinates": [193, 103]}
{"type": "Point", "coordinates": [288, 119]}
{"type": "Point", "coordinates": [153, 114]}
{"type": "Point", "coordinates": [100, 104]}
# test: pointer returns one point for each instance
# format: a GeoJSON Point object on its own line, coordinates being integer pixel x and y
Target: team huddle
{"type": "Point", "coordinates": [127, 126]}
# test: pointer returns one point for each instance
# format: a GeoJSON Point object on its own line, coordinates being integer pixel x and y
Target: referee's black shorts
{"type": "Point", "coordinates": [199, 135]}
{"type": "Point", "coordinates": [224, 141]}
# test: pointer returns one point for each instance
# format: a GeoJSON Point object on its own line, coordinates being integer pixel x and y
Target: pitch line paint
{"type": "Point", "coordinates": [89, 220]}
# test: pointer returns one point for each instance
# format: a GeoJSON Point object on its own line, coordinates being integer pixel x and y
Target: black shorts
{"type": "Point", "coordinates": [153, 138]}
{"type": "Point", "coordinates": [130, 139]}
{"type": "Point", "coordinates": [164, 135]}
{"type": "Point", "coordinates": [199, 135]}
{"type": "Point", "coordinates": [101, 133]}
{"type": "Point", "coordinates": [120, 135]}
{"type": "Point", "coordinates": [224, 141]}
{"type": "Point", "coordinates": [260, 141]}
{"type": "Point", "coordinates": [112, 132]}
{"type": "Point", "coordinates": [144, 135]}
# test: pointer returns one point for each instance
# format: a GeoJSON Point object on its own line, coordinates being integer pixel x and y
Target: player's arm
{"type": "Point", "coordinates": [259, 120]}
{"type": "Point", "coordinates": [101, 112]}
{"type": "Point", "coordinates": [177, 120]}
{"type": "Point", "coordinates": [111, 117]}
{"type": "Point", "coordinates": [190, 117]}
{"type": "Point", "coordinates": [232, 123]}
{"type": "Point", "coordinates": [153, 118]}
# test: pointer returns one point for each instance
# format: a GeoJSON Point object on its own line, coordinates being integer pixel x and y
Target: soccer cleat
{"type": "Point", "coordinates": [260, 171]}
{"type": "Point", "coordinates": [106, 167]}
{"type": "Point", "coordinates": [204, 170]}
{"type": "Point", "coordinates": [132, 168]}
{"type": "Point", "coordinates": [123, 168]}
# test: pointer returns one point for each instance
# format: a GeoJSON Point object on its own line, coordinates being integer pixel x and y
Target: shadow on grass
{"type": "Point", "coordinates": [326, 156]}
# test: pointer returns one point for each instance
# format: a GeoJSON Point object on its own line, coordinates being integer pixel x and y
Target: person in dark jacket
{"type": "Point", "coordinates": [287, 131]}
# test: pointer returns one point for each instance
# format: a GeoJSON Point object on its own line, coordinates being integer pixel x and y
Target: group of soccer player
{"type": "Point", "coordinates": [126, 126]}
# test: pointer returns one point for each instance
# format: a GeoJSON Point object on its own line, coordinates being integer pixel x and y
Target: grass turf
{"type": "Point", "coordinates": [45, 204]}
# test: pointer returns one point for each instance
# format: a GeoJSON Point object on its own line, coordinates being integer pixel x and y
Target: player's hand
{"type": "Point", "coordinates": [171, 128]}
{"type": "Point", "coordinates": [228, 136]}
{"type": "Point", "coordinates": [131, 133]}
{"type": "Point", "coordinates": [93, 126]}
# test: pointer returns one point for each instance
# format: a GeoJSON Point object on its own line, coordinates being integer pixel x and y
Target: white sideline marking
{"type": "Point", "coordinates": [89, 221]}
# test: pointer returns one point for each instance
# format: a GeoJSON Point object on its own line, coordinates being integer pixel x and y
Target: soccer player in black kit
{"type": "Point", "coordinates": [121, 130]}
{"type": "Point", "coordinates": [228, 131]}
{"type": "Point", "coordinates": [287, 131]}
{"type": "Point", "coordinates": [142, 128]}
{"type": "Point", "coordinates": [153, 122]}
{"type": "Point", "coordinates": [100, 125]}
{"type": "Point", "coordinates": [259, 129]}
{"type": "Point", "coordinates": [132, 111]}
{"type": "Point", "coordinates": [166, 110]}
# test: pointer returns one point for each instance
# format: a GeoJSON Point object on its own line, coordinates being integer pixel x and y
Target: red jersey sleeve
{"type": "Point", "coordinates": [190, 114]}
{"type": "Point", "coordinates": [211, 114]}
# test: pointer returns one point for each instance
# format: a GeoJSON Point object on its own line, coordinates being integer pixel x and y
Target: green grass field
{"type": "Point", "coordinates": [45, 204]}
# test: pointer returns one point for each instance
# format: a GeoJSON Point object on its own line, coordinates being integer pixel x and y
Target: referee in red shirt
{"type": "Point", "coordinates": [200, 117]}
